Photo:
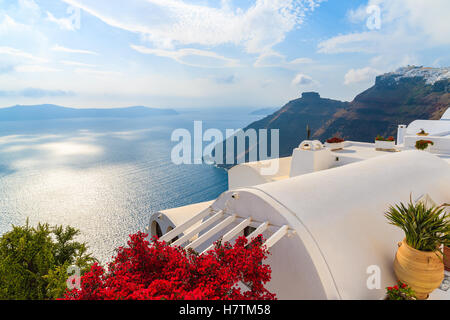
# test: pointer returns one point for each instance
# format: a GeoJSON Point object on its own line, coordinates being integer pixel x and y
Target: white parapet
{"type": "Point", "coordinates": [258, 172]}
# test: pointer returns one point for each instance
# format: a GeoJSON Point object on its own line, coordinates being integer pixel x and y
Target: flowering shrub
{"type": "Point", "coordinates": [423, 144]}
{"type": "Point", "coordinates": [400, 292]}
{"type": "Point", "coordinates": [380, 138]}
{"type": "Point", "coordinates": [335, 140]}
{"type": "Point", "coordinates": [145, 270]}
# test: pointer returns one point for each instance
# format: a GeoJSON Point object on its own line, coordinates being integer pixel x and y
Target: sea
{"type": "Point", "coordinates": [104, 176]}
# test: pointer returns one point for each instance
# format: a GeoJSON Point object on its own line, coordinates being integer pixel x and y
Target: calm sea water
{"type": "Point", "coordinates": [103, 176]}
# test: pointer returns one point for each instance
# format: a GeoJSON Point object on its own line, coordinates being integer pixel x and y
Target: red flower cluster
{"type": "Point", "coordinates": [423, 144]}
{"type": "Point", "coordinates": [335, 140]}
{"type": "Point", "coordinates": [156, 271]}
{"type": "Point", "coordinates": [381, 138]}
{"type": "Point", "coordinates": [400, 292]}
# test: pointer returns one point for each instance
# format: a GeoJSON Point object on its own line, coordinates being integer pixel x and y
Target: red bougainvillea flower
{"type": "Point", "coordinates": [155, 271]}
{"type": "Point", "coordinates": [335, 140]}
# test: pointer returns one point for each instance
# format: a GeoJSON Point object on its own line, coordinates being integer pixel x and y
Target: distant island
{"type": "Point", "coordinates": [50, 111]}
{"type": "Point", "coordinates": [263, 111]}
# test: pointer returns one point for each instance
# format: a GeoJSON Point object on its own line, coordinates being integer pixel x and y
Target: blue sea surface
{"type": "Point", "coordinates": [103, 176]}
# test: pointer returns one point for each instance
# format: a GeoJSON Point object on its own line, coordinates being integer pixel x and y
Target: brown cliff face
{"type": "Point", "coordinates": [381, 108]}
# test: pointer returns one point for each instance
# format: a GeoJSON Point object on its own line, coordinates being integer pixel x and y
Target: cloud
{"type": "Point", "coordinates": [275, 59]}
{"type": "Point", "coordinates": [13, 32]}
{"type": "Point", "coordinates": [226, 80]}
{"type": "Point", "coordinates": [99, 73]}
{"type": "Point", "coordinates": [35, 68]}
{"type": "Point", "coordinates": [26, 11]}
{"type": "Point", "coordinates": [64, 23]}
{"type": "Point", "coordinates": [69, 50]}
{"type": "Point", "coordinates": [16, 53]}
{"type": "Point", "coordinates": [167, 23]}
{"type": "Point", "coordinates": [360, 75]}
{"type": "Point", "coordinates": [366, 42]}
{"type": "Point", "coordinates": [36, 93]}
{"type": "Point", "coordinates": [77, 64]}
{"type": "Point", "coordinates": [302, 80]}
{"type": "Point", "coordinates": [191, 57]}
{"type": "Point", "coordinates": [406, 25]}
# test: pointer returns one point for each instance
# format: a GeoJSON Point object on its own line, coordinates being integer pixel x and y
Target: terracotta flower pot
{"type": "Point", "coordinates": [447, 258]}
{"type": "Point", "coordinates": [423, 271]}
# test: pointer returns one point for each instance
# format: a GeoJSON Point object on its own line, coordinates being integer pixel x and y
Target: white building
{"type": "Point", "coordinates": [323, 212]}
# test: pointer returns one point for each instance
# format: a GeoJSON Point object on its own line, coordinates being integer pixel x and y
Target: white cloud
{"type": "Point", "coordinates": [26, 11]}
{"type": "Point", "coordinates": [12, 33]}
{"type": "Point", "coordinates": [63, 23]}
{"type": "Point", "coordinates": [16, 53]}
{"type": "Point", "coordinates": [77, 64]}
{"type": "Point", "coordinates": [275, 59]}
{"type": "Point", "coordinates": [302, 80]}
{"type": "Point", "coordinates": [167, 23]}
{"type": "Point", "coordinates": [360, 75]}
{"type": "Point", "coordinates": [100, 73]}
{"type": "Point", "coordinates": [301, 61]}
{"type": "Point", "coordinates": [69, 50]}
{"type": "Point", "coordinates": [35, 68]}
{"type": "Point", "coordinates": [407, 28]}
{"type": "Point", "coordinates": [191, 57]}
{"type": "Point", "coordinates": [354, 42]}
{"type": "Point", "coordinates": [406, 25]}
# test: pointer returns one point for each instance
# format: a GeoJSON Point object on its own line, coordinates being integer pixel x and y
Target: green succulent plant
{"type": "Point", "coordinates": [426, 228]}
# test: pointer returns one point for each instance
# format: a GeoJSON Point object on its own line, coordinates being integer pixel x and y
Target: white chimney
{"type": "Point", "coordinates": [401, 134]}
{"type": "Point", "coordinates": [309, 157]}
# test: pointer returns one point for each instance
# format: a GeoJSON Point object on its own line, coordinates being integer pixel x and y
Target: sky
{"type": "Point", "coordinates": [210, 53]}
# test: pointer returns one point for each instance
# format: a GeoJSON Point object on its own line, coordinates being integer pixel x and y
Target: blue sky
{"type": "Point", "coordinates": [210, 53]}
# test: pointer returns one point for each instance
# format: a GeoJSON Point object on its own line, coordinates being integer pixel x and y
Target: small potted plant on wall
{"type": "Point", "coordinates": [423, 144]}
{"type": "Point", "coordinates": [422, 133]}
{"type": "Point", "coordinates": [419, 258]}
{"type": "Point", "coordinates": [400, 291]}
{"type": "Point", "coordinates": [382, 143]}
{"type": "Point", "coordinates": [335, 143]}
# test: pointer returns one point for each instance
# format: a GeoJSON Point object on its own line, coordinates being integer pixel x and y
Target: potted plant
{"type": "Point", "coordinates": [423, 144]}
{"type": "Point", "coordinates": [335, 143]}
{"type": "Point", "coordinates": [422, 133]}
{"type": "Point", "coordinates": [382, 143]}
{"type": "Point", "coordinates": [418, 261]}
{"type": "Point", "coordinates": [401, 291]}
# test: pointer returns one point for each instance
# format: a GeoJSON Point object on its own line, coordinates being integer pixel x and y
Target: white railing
{"type": "Point", "coordinates": [181, 228]}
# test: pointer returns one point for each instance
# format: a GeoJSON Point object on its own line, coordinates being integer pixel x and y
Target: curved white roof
{"type": "Point", "coordinates": [433, 127]}
{"type": "Point", "coordinates": [333, 221]}
{"type": "Point", "coordinates": [339, 217]}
